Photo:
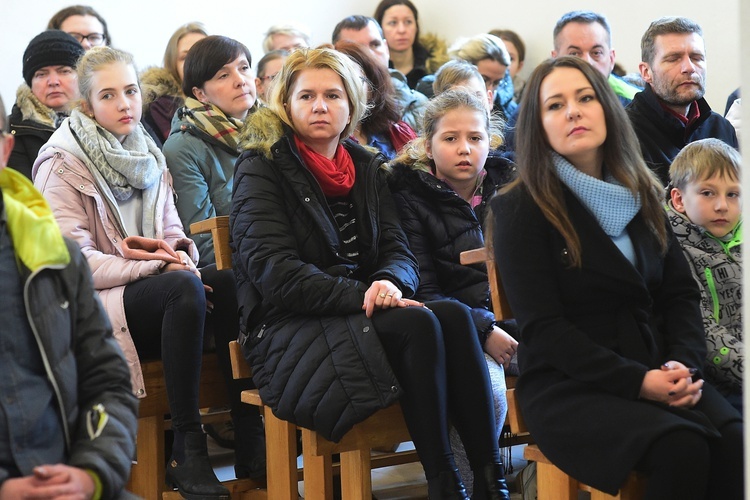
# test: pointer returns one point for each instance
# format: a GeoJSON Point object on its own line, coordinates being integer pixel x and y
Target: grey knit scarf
{"type": "Point", "coordinates": [611, 203]}
{"type": "Point", "coordinates": [136, 163]}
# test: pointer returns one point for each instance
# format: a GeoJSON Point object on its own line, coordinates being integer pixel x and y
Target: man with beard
{"type": "Point", "coordinates": [671, 112]}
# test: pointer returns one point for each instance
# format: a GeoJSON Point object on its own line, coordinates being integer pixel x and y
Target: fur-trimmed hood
{"type": "Point", "coordinates": [437, 50]}
{"type": "Point", "coordinates": [157, 82]}
{"type": "Point", "coordinates": [32, 108]}
{"type": "Point", "coordinates": [261, 131]}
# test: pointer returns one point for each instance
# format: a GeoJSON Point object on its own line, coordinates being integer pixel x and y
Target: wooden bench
{"type": "Point", "coordinates": [552, 483]}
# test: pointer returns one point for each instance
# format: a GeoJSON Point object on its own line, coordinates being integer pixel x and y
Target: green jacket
{"type": "Point", "coordinates": [202, 171]}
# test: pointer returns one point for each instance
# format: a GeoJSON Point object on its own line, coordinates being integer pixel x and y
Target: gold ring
{"type": "Point", "coordinates": [390, 294]}
{"type": "Point", "coordinates": [382, 295]}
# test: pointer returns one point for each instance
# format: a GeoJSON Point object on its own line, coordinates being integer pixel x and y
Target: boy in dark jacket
{"type": "Point", "coordinates": [67, 414]}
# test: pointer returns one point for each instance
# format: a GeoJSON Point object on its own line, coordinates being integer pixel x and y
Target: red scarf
{"type": "Point", "coordinates": [336, 177]}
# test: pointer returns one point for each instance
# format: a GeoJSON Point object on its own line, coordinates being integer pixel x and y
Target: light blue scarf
{"type": "Point", "coordinates": [612, 204]}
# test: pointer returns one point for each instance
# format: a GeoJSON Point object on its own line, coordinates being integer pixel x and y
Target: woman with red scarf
{"type": "Point", "coordinates": [324, 275]}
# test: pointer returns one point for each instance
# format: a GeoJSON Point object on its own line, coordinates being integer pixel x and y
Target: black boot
{"type": "Point", "coordinates": [250, 446]}
{"type": "Point", "coordinates": [489, 483]}
{"type": "Point", "coordinates": [194, 478]}
{"type": "Point", "coordinates": [447, 486]}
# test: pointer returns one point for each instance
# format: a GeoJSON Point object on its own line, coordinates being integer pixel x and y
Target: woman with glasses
{"type": "Point", "coordinates": [268, 67]}
{"type": "Point", "coordinates": [162, 87]}
{"type": "Point", "coordinates": [44, 100]}
{"type": "Point", "coordinates": [84, 24]}
{"type": "Point", "coordinates": [488, 53]}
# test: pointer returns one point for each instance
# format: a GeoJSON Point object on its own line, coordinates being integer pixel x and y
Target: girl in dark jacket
{"type": "Point", "coordinates": [612, 341]}
{"type": "Point", "coordinates": [323, 271]}
{"type": "Point", "coordinates": [441, 185]}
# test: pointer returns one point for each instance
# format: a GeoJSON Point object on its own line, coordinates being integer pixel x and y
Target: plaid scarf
{"type": "Point", "coordinates": [212, 121]}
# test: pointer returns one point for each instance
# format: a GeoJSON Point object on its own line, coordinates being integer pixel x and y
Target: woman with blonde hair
{"type": "Point", "coordinates": [162, 87]}
{"type": "Point", "coordinates": [324, 271]}
{"type": "Point", "coordinates": [108, 186]}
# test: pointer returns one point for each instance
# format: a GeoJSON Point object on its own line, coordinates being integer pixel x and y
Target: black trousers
{"type": "Point", "coordinates": [166, 314]}
{"type": "Point", "coordinates": [435, 353]}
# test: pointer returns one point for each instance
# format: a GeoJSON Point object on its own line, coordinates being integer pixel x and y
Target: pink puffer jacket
{"type": "Point", "coordinates": [83, 215]}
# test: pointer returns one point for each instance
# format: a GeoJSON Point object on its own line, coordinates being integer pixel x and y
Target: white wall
{"type": "Point", "coordinates": [144, 26]}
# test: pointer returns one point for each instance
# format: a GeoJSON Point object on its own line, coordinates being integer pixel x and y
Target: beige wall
{"type": "Point", "coordinates": [144, 26]}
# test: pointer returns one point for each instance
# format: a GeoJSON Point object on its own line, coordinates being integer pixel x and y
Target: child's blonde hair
{"type": "Point", "coordinates": [415, 152]}
{"type": "Point", "coordinates": [704, 159]}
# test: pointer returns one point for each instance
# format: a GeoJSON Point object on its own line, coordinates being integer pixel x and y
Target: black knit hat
{"type": "Point", "coordinates": [50, 48]}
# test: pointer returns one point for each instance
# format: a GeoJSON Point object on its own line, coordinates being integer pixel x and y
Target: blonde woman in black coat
{"type": "Point", "coordinates": [323, 272]}
{"type": "Point", "coordinates": [612, 346]}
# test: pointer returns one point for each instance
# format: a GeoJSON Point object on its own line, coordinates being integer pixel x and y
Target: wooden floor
{"type": "Point", "coordinates": [389, 483]}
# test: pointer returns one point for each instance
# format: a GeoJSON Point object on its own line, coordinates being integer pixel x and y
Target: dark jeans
{"type": "Point", "coordinates": [165, 315]}
{"type": "Point", "coordinates": [167, 319]}
{"type": "Point", "coordinates": [436, 356]}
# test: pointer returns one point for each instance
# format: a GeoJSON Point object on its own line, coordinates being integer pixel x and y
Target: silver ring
{"type": "Point", "coordinates": [390, 294]}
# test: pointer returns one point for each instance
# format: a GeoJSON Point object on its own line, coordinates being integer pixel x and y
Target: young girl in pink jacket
{"type": "Point", "coordinates": [109, 189]}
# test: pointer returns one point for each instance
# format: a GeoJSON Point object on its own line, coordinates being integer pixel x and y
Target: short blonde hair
{"type": "Point", "coordinates": [480, 47]}
{"type": "Point", "coordinates": [320, 58]}
{"type": "Point", "coordinates": [171, 54]}
{"type": "Point", "coordinates": [453, 73]}
{"type": "Point", "coordinates": [289, 29]}
{"type": "Point", "coordinates": [95, 59]}
{"type": "Point", "coordinates": [704, 159]}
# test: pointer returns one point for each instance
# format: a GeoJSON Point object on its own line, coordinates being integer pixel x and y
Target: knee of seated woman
{"type": "Point", "coordinates": [186, 286]}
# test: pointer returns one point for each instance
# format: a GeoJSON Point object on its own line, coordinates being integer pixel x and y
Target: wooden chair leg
{"type": "Point", "coordinates": [356, 479]}
{"type": "Point", "coordinates": [147, 474]}
{"type": "Point", "coordinates": [554, 484]}
{"type": "Point", "coordinates": [317, 470]}
{"type": "Point", "coordinates": [281, 457]}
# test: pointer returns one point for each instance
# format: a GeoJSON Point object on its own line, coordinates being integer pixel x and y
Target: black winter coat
{"type": "Point", "coordinates": [589, 335]}
{"type": "Point", "coordinates": [662, 135]}
{"type": "Point", "coordinates": [30, 136]}
{"type": "Point", "coordinates": [440, 225]}
{"type": "Point", "coordinates": [86, 367]}
{"type": "Point", "coordinates": [316, 358]}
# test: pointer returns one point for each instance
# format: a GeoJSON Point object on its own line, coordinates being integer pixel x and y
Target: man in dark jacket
{"type": "Point", "coordinates": [671, 112]}
{"type": "Point", "coordinates": [67, 414]}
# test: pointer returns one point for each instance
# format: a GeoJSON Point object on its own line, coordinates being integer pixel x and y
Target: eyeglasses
{"type": "Point", "coordinates": [268, 77]}
{"type": "Point", "coordinates": [94, 39]}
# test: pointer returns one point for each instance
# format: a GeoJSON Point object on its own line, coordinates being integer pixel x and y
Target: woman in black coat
{"type": "Point", "coordinates": [612, 345]}
{"type": "Point", "coordinates": [323, 267]}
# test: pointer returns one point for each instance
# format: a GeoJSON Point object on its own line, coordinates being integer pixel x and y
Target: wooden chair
{"type": "Point", "coordinates": [383, 429]}
{"type": "Point", "coordinates": [552, 483]}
